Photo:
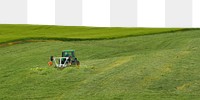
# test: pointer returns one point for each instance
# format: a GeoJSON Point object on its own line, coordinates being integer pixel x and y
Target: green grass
{"type": "Point", "coordinates": [149, 67]}
{"type": "Point", "coordinates": [24, 32]}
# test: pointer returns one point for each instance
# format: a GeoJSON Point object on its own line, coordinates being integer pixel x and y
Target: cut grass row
{"type": "Point", "coordinates": [10, 33]}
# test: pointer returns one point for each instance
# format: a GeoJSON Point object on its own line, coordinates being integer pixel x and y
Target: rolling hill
{"type": "Point", "coordinates": [113, 67]}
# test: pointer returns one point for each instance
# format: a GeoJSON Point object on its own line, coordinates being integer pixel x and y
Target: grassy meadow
{"type": "Point", "coordinates": [123, 65]}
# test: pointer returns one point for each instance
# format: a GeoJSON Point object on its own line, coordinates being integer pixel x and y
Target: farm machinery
{"type": "Point", "coordinates": [68, 58]}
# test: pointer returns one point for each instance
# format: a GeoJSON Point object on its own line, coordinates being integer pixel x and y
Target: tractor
{"type": "Point", "coordinates": [68, 59]}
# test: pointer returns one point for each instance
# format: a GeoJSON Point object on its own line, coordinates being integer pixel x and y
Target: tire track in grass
{"type": "Point", "coordinates": [102, 75]}
{"type": "Point", "coordinates": [165, 69]}
{"type": "Point", "coordinates": [117, 63]}
{"type": "Point", "coordinates": [184, 84]}
{"type": "Point", "coordinates": [105, 75]}
{"type": "Point", "coordinates": [156, 75]}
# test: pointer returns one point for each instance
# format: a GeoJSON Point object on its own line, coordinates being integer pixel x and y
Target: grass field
{"type": "Point", "coordinates": [26, 32]}
{"type": "Point", "coordinates": [145, 67]}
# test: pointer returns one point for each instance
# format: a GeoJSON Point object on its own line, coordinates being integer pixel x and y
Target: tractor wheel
{"type": "Point", "coordinates": [69, 63]}
{"type": "Point", "coordinates": [78, 63]}
{"type": "Point", "coordinates": [51, 58]}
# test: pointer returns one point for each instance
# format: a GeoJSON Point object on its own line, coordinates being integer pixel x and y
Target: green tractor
{"type": "Point", "coordinates": [68, 58]}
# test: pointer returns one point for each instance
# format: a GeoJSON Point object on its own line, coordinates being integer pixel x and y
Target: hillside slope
{"type": "Point", "coordinates": [149, 67]}
{"type": "Point", "coordinates": [26, 32]}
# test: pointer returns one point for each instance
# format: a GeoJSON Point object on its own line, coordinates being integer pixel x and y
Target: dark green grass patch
{"type": "Point", "coordinates": [10, 33]}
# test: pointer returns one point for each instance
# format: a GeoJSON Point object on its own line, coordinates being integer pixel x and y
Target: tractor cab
{"type": "Point", "coordinates": [68, 53]}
